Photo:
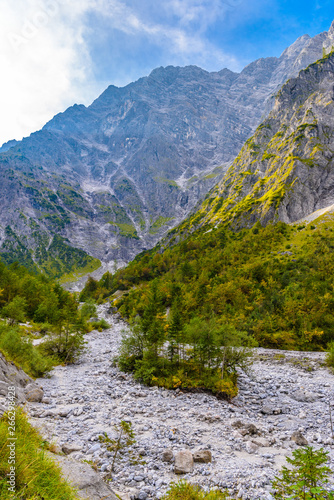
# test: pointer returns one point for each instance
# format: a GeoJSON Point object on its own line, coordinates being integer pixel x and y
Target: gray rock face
{"type": "Point", "coordinates": [82, 477]}
{"type": "Point", "coordinates": [184, 462]}
{"type": "Point", "coordinates": [114, 177]}
{"type": "Point", "coordinates": [11, 376]}
{"type": "Point", "coordinates": [286, 169]}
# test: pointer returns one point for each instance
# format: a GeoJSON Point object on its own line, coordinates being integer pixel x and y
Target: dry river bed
{"type": "Point", "coordinates": [286, 397]}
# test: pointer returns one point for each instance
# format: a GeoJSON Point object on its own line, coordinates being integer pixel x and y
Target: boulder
{"type": "Point", "coordinates": [260, 441]}
{"type": "Point", "coordinates": [250, 429]}
{"type": "Point", "coordinates": [304, 396]}
{"type": "Point", "coordinates": [184, 462]}
{"type": "Point", "coordinates": [69, 448]}
{"type": "Point", "coordinates": [267, 410]}
{"type": "Point", "coordinates": [251, 447]}
{"type": "Point", "coordinates": [202, 456]}
{"type": "Point", "coordinates": [82, 477]}
{"type": "Point", "coordinates": [33, 393]}
{"type": "Point", "coordinates": [64, 412]}
{"type": "Point", "coordinates": [167, 455]}
{"type": "Point", "coordinates": [299, 439]}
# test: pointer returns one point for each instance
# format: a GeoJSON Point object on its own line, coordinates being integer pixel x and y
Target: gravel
{"type": "Point", "coordinates": [285, 393]}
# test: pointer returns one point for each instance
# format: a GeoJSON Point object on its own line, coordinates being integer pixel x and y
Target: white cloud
{"type": "Point", "coordinates": [46, 61]}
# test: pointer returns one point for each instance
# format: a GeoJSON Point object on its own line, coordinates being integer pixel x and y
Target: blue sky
{"type": "Point", "coordinates": [54, 53]}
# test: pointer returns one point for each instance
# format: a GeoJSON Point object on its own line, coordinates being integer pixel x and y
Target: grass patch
{"type": "Point", "coordinates": [37, 476]}
{"type": "Point", "coordinates": [78, 273]}
{"type": "Point", "coordinates": [127, 230]}
{"type": "Point", "coordinates": [160, 222]}
{"type": "Point", "coordinates": [170, 182]}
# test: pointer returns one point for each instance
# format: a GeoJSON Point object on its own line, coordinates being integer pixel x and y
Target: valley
{"type": "Point", "coordinates": [166, 268]}
{"type": "Point", "coordinates": [285, 398]}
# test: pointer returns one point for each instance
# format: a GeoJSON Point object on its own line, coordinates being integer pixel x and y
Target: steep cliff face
{"type": "Point", "coordinates": [285, 171]}
{"type": "Point", "coordinates": [111, 179]}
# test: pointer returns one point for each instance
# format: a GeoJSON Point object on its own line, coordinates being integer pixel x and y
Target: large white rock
{"type": "Point", "coordinates": [184, 462]}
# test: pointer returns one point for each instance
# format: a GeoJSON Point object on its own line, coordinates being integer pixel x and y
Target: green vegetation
{"type": "Point", "coordinates": [330, 355]}
{"type": "Point", "coordinates": [125, 438]}
{"type": "Point", "coordinates": [158, 223]}
{"type": "Point", "coordinates": [127, 230]}
{"type": "Point", "coordinates": [187, 491]}
{"type": "Point", "coordinates": [169, 182]}
{"type": "Point", "coordinates": [56, 259]}
{"type": "Point", "coordinates": [37, 476]}
{"type": "Point", "coordinates": [62, 259]}
{"type": "Point", "coordinates": [49, 309]}
{"type": "Point", "coordinates": [203, 354]}
{"type": "Point", "coordinates": [244, 280]}
{"type": "Point", "coordinates": [306, 477]}
{"type": "Point", "coordinates": [16, 346]}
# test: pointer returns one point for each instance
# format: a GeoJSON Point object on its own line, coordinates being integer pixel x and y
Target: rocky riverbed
{"type": "Point", "coordinates": [283, 403]}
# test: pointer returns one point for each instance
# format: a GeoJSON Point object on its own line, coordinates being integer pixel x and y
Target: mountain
{"type": "Point", "coordinates": [109, 180]}
{"type": "Point", "coordinates": [239, 263]}
{"type": "Point", "coordinates": [285, 171]}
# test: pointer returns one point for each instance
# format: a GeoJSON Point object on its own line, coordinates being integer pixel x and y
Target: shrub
{"type": "Point", "coordinates": [22, 352]}
{"type": "Point", "coordinates": [100, 325]}
{"type": "Point", "coordinates": [124, 440]}
{"type": "Point", "coordinates": [88, 310]}
{"type": "Point", "coordinates": [65, 347]}
{"type": "Point", "coordinates": [330, 355]}
{"type": "Point", "coordinates": [306, 478]}
{"type": "Point", "coordinates": [186, 491]}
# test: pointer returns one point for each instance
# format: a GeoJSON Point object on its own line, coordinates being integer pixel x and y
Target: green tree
{"type": "Point", "coordinates": [88, 310]}
{"type": "Point", "coordinates": [15, 311]}
{"type": "Point", "coordinates": [125, 438]}
{"type": "Point", "coordinates": [203, 335]}
{"type": "Point", "coordinates": [306, 478]}
{"type": "Point", "coordinates": [150, 322]}
{"type": "Point", "coordinates": [175, 330]}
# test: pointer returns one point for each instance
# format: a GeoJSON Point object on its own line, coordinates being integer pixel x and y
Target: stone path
{"type": "Point", "coordinates": [286, 396]}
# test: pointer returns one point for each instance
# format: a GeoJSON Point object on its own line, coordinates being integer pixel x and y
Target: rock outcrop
{"type": "Point", "coordinates": [25, 388]}
{"type": "Point", "coordinates": [285, 171]}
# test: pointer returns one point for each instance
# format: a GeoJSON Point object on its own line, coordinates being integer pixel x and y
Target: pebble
{"type": "Point", "coordinates": [248, 439]}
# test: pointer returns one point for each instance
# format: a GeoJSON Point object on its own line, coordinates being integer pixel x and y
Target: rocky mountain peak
{"type": "Point", "coordinates": [296, 47]}
{"type": "Point", "coordinates": [112, 178]}
{"type": "Point", "coordinates": [331, 29]}
{"type": "Point", "coordinates": [285, 170]}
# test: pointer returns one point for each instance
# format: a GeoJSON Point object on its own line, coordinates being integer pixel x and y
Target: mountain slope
{"type": "Point", "coordinates": [111, 179]}
{"type": "Point", "coordinates": [269, 279]}
{"type": "Point", "coordinates": [285, 171]}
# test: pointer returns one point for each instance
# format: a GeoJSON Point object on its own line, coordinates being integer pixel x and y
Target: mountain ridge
{"type": "Point", "coordinates": [279, 173]}
{"type": "Point", "coordinates": [112, 178]}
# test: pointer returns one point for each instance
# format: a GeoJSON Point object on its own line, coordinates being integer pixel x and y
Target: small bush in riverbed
{"type": "Point", "coordinates": [306, 477]}
{"type": "Point", "coordinates": [187, 491]}
{"type": "Point", "coordinates": [100, 325]}
{"type": "Point", "coordinates": [330, 355]}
